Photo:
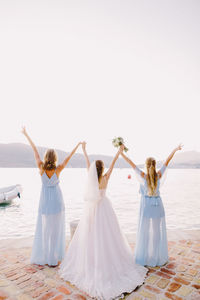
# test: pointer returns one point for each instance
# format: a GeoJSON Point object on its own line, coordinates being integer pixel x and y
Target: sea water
{"type": "Point", "coordinates": [180, 192]}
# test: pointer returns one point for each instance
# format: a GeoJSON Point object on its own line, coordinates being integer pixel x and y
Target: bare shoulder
{"type": "Point", "coordinates": [40, 164]}
{"type": "Point", "coordinates": [41, 171]}
{"type": "Point", "coordinates": [59, 168]}
{"type": "Point", "coordinates": [105, 177]}
{"type": "Point", "coordinates": [104, 182]}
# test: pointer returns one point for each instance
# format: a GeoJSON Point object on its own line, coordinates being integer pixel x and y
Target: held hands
{"type": "Point", "coordinates": [121, 148]}
{"type": "Point", "coordinates": [83, 145]}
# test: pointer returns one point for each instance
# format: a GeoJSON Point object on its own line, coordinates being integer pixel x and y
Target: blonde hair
{"type": "Point", "coordinates": [50, 159]}
{"type": "Point", "coordinates": [152, 176]}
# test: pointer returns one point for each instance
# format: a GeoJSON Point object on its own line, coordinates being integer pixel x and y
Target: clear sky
{"type": "Point", "coordinates": [75, 70]}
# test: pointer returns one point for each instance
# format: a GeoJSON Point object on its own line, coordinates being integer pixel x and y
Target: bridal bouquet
{"type": "Point", "coordinates": [118, 142]}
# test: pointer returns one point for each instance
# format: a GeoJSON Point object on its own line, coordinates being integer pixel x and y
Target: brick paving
{"type": "Point", "coordinates": [178, 280]}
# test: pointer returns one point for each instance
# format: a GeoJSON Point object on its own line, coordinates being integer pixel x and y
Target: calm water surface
{"type": "Point", "coordinates": [180, 193]}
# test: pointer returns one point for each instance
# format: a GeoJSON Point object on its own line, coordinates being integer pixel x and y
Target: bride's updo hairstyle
{"type": "Point", "coordinates": [50, 160]}
{"type": "Point", "coordinates": [100, 169]}
{"type": "Point", "coordinates": [152, 176]}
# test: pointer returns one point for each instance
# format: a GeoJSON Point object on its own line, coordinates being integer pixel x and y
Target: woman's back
{"type": "Point", "coordinates": [50, 180]}
{"type": "Point", "coordinates": [51, 198]}
{"type": "Point", "coordinates": [145, 191]}
{"type": "Point", "coordinates": [103, 183]}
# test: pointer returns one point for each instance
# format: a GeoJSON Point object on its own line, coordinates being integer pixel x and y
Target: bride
{"type": "Point", "coordinates": [99, 260]}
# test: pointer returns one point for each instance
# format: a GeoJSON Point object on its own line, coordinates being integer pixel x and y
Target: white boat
{"type": "Point", "coordinates": [9, 193]}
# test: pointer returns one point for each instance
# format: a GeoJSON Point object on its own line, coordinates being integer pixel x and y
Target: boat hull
{"type": "Point", "coordinates": [9, 193]}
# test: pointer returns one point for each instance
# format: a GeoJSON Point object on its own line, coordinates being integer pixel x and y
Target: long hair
{"type": "Point", "coordinates": [152, 176]}
{"type": "Point", "coordinates": [100, 169]}
{"type": "Point", "coordinates": [50, 159]}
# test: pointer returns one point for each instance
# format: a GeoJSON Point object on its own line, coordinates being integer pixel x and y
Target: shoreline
{"type": "Point", "coordinates": [173, 235]}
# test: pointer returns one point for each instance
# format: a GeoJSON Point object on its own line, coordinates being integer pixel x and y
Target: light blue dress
{"type": "Point", "coordinates": [49, 241]}
{"type": "Point", "coordinates": [151, 245]}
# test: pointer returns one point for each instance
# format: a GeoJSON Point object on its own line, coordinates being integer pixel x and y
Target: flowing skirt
{"type": "Point", "coordinates": [49, 241]}
{"type": "Point", "coordinates": [151, 246]}
{"type": "Point", "coordinates": [99, 260]}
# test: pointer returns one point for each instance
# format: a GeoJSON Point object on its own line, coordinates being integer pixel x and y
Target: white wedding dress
{"type": "Point", "coordinates": [99, 260]}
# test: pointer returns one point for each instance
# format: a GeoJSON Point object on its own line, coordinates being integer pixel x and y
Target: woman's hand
{"type": "Point", "coordinates": [180, 147]}
{"type": "Point", "coordinates": [78, 144]}
{"type": "Point", "coordinates": [83, 145]}
{"type": "Point", "coordinates": [121, 148]}
{"type": "Point", "coordinates": [24, 130]}
{"type": "Point", "coordinates": [85, 154]}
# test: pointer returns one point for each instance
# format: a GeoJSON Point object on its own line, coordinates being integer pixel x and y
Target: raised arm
{"type": "Point", "coordinates": [36, 153]}
{"type": "Point", "coordinates": [132, 164]}
{"type": "Point", "coordinates": [160, 173]}
{"type": "Point", "coordinates": [172, 154]}
{"type": "Point", "coordinates": [66, 160]}
{"type": "Point", "coordinates": [108, 173]}
{"type": "Point", "coordinates": [85, 154]}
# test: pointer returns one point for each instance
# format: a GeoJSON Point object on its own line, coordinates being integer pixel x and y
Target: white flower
{"type": "Point", "coordinates": [117, 142]}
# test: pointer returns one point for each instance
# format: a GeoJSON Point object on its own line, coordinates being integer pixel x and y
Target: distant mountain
{"type": "Point", "coordinates": [183, 160]}
{"type": "Point", "coordinates": [18, 155]}
{"type": "Point", "coordinates": [187, 159]}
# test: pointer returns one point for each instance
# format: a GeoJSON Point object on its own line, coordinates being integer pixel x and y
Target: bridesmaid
{"type": "Point", "coordinates": [49, 241]}
{"type": "Point", "coordinates": [151, 245]}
